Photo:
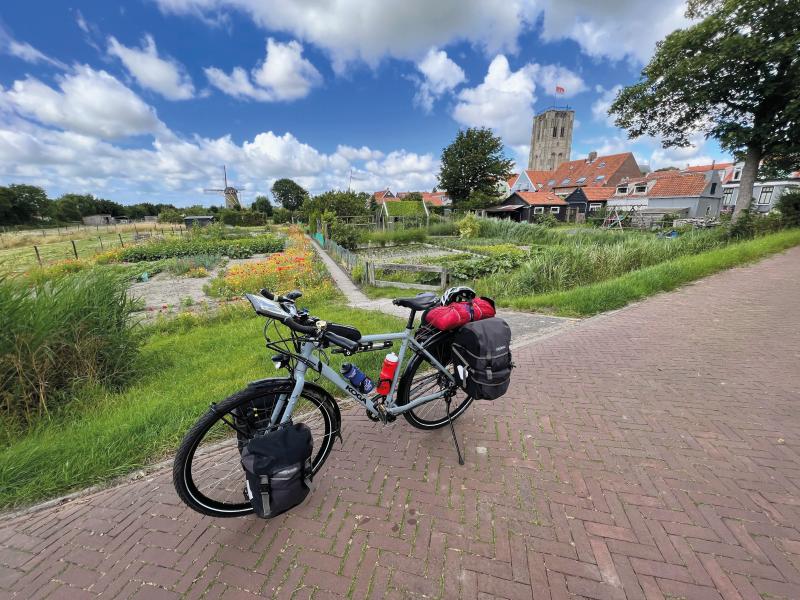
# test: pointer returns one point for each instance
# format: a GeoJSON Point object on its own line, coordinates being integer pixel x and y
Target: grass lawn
{"type": "Point", "coordinates": [105, 435]}
{"type": "Point", "coordinates": [617, 292]}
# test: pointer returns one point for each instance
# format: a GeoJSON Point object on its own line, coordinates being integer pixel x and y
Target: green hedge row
{"type": "Point", "coordinates": [241, 248]}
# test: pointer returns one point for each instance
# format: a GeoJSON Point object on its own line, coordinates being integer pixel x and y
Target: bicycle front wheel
{"type": "Point", "coordinates": [207, 472]}
{"type": "Point", "coordinates": [421, 379]}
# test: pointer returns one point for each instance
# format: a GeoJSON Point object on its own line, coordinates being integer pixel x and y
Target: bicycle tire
{"type": "Point", "coordinates": [438, 345]}
{"type": "Point", "coordinates": [183, 474]}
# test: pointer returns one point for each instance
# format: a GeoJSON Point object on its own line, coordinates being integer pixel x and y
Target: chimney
{"type": "Point", "coordinates": [592, 157]}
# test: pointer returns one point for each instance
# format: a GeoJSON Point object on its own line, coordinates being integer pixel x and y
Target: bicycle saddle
{"type": "Point", "coordinates": [418, 302]}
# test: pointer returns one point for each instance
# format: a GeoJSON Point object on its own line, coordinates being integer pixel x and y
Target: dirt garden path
{"type": "Point", "coordinates": [525, 327]}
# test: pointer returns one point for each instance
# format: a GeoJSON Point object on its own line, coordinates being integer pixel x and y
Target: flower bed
{"type": "Point", "coordinates": [156, 250]}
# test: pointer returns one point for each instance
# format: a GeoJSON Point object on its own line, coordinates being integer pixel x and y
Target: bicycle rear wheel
{"type": "Point", "coordinates": [207, 472]}
{"type": "Point", "coordinates": [421, 378]}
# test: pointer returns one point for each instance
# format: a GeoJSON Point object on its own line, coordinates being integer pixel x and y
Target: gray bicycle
{"type": "Point", "coordinates": [207, 473]}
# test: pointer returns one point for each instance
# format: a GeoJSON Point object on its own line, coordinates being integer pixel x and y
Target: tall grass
{"type": "Point", "coordinates": [71, 330]}
{"type": "Point", "coordinates": [561, 266]}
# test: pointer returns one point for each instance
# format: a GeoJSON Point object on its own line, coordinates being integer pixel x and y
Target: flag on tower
{"type": "Point", "coordinates": [560, 90]}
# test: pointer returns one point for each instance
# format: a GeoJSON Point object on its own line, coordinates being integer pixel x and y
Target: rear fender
{"type": "Point", "coordinates": [286, 384]}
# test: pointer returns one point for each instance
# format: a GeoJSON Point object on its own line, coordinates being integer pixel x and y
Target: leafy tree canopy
{"type": "Point", "coordinates": [474, 162]}
{"type": "Point", "coordinates": [289, 194]}
{"type": "Point", "coordinates": [342, 204]}
{"type": "Point", "coordinates": [262, 205]}
{"type": "Point", "coordinates": [733, 76]}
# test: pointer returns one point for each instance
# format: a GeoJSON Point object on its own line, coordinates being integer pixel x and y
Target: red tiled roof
{"type": "Point", "coordinates": [434, 198]}
{"type": "Point", "coordinates": [595, 194]}
{"type": "Point", "coordinates": [538, 177]}
{"type": "Point", "coordinates": [711, 167]}
{"type": "Point", "coordinates": [512, 179]}
{"type": "Point", "coordinates": [541, 198]}
{"type": "Point", "coordinates": [668, 184]}
{"type": "Point", "coordinates": [380, 195]}
{"type": "Point", "coordinates": [575, 170]}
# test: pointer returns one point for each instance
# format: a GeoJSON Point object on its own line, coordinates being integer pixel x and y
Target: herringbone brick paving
{"type": "Point", "coordinates": [647, 454]}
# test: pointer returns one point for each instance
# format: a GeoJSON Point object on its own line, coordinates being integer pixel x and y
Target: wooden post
{"type": "Point", "coordinates": [444, 279]}
{"type": "Point", "coordinates": [120, 240]}
{"type": "Point", "coordinates": [74, 249]}
{"type": "Point", "coordinates": [101, 242]}
{"type": "Point", "coordinates": [39, 258]}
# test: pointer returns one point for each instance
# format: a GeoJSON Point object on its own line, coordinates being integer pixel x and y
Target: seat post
{"type": "Point", "coordinates": [410, 324]}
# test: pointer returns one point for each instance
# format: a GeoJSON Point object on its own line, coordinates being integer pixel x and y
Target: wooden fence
{"type": "Point", "coordinates": [372, 266]}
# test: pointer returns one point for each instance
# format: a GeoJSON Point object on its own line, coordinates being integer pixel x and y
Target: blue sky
{"type": "Point", "coordinates": [145, 100]}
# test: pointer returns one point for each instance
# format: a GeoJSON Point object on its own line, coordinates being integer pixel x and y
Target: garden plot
{"type": "Point", "coordinates": [406, 254]}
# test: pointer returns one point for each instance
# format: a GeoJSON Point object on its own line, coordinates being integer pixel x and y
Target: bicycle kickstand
{"type": "Point", "coordinates": [453, 431]}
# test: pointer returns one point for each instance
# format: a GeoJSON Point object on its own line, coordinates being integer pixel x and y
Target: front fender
{"type": "Point", "coordinates": [286, 384]}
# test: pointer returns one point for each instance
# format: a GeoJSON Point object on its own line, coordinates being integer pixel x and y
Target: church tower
{"type": "Point", "coordinates": [551, 139]}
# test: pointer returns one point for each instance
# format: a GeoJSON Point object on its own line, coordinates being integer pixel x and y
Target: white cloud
{"type": "Point", "coordinates": [54, 138]}
{"type": "Point", "coordinates": [615, 29]}
{"type": "Point", "coordinates": [354, 30]}
{"type": "Point", "coordinates": [24, 51]}
{"type": "Point", "coordinates": [88, 102]}
{"type": "Point", "coordinates": [283, 75]}
{"type": "Point", "coordinates": [163, 75]}
{"type": "Point", "coordinates": [603, 103]}
{"type": "Point", "coordinates": [440, 75]}
{"type": "Point", "coordinates": [504, 100]}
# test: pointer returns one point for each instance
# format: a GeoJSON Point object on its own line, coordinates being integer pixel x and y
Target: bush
{"type": "Point", "coordinates": [281, 215]}
{"type": "Point", "coordinates": [469, 227]}
{"type": "Point", "coordinates": [789, 208]}
{"type": "Point", "coordinates": [545, 220]}
{"type": "Point", "coordinates": [345, 235]}
{"type": "Point", "coordinates": [192, 245]}
{"type": "Point", "coordinates": [71, 330]}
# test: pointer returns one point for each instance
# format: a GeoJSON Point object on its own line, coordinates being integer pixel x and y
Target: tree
{"type": "Point", "coordinates": [474, 162]}
{"type": "Point", "coordinates": [262, 205]}
{"type": "Point", "coordinates": [733, 76]}
{"type": "Point", "coordinates": [289, 194]}
{"type": "Point", "coordinates": [342, 204]}
{"type": "Point", "coordinates": [413, 197]}
{"type": "Point", "coordinates": [22, 204]}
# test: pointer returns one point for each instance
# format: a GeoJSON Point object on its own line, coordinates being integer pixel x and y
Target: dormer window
{"type": "Point", "coordinates": [640, 188]}
{"type": "Point", "coordinates": [622, 189]}
{"type": "Point", "coordinates": [737, 174]}
{"type": "Point", "coordinates": [566, 181]}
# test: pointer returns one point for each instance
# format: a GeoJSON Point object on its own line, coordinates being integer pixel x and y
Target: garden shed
{"type": "Point", "coordinates": [402, 213]}
{"type": "Point", "coordinates": [198, 220]}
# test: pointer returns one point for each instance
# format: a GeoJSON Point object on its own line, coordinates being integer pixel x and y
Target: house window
{"type": "Point", "coordinates": [555, 130]}
{"type": "Point", "coordinates": [562, 131]}
{"type": "Point", "coordinates": [551, 182]}
{"type": "Point", "coordinates": [727, 197]}
{"type": "Point", "coordinates": [713, 189]}
{"type": "Point", "coordinates": [566, 181]}
{"type": "Point", "coordinates": [538, 210]}
{"type": "Point", "coordinates": [766, 195]}
{"type": "Point", "coordinates": [601, 165]}
{"type": "Point", "coordinates": [595, 206]}
{"type": "Point", "coordinates": [581, 180]}
{"type": "Point", "coordinates": [737, 174]}
{"type": "Point", "coordinates": [554, 209]}
{"type": "Point", "coordinates": [600, 178]}
{"type": "Point", "coordinates": [622, 189]}
{"type": "Point", "coordinates": [641, 188]}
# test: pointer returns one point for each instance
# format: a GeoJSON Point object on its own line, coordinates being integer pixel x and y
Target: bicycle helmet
{"type": "Point", "coordinates": [459, 293]}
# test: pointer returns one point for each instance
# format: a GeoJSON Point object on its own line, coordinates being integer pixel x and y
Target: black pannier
{"type": "Point", "coordinates": [482, 357]}
{"type": "Point", "coordinates": [278, 469]}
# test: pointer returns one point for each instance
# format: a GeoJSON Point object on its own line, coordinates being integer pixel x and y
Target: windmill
{"type": "Point", "coordinates": [230, 193]}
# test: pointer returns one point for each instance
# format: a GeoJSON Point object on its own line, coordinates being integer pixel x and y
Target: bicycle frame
{"type": "Point", "coordinates": [406, 338]}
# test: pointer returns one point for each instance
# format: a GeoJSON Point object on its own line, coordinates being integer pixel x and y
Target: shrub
{"type": "Point", "coordinates": [281, 215]}
{"type": "Point", "coordinates": [789, 208]}
{"type": "Point", "coordinates": [397, 236]}
{"type": "Point", "coordinates": [444, 228]}
{"type": "Point", "coordinates": [546, 220]}
{"type": "Point", "coordinates": [345, 235]}
{"type": "Point", "coordinates": [71, 330]}
{"type": "Point", "coordinates": [192, 245]}
{"type": "Point", "coordinates": [469, 227]}
{"type": "Point", "coordinates": [192, 266]}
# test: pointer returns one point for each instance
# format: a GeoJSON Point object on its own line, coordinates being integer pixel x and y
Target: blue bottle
{"type": "Point", "coordinates": [355, 376]}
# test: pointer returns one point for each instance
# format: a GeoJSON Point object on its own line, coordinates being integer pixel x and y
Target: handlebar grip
{"type": "Point", "coordinates": [267, 294]}
{"type": "Point", "coordinates": [340, 341]}
{"type": "Point", "coordinates": [294, 325]}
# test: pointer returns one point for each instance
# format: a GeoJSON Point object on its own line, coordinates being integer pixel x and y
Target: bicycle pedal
{"type": "Point", "coordinates": [373, 418]}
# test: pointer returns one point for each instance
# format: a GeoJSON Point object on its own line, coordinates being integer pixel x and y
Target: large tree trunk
{"type": "Point", "coordinates": [749, 172]}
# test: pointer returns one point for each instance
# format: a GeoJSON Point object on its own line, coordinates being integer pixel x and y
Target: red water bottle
{"type": "Point", "coordinates": [387, 373]}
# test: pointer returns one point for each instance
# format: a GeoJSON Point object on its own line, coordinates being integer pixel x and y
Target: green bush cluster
{"type": "Point", "coordinates": [191, 246]}
{"type": "Point", "coordinates": [68, 331]}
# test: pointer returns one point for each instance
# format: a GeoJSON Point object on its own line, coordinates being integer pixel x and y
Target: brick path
{"type": "Point", "coordinates": [649, 454]}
